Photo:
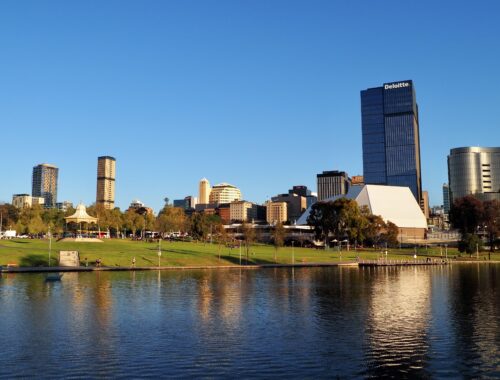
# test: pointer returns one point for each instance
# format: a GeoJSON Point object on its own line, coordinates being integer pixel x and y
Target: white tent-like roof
{"type": "Point", "coordinates": [81, 216]}
{"type": "Point", "coordinates": [393, 203]}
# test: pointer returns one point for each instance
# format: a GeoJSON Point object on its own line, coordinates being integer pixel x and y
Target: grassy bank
{"type": "Point", "coordinates": [24, 252]}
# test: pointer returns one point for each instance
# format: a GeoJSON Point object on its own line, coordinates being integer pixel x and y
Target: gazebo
{"type": "Point", "coordinates": [80, 216]}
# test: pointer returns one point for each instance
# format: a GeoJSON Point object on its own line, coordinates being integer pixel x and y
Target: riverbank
{"type": "Point", "coordinates": [117, 253]}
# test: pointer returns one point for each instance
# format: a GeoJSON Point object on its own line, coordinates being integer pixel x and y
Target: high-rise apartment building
{"type": "Point", "coordinates": [224, 193]}
{"type": "Point", "coordinates": [391, 140]}
{"type": "Point", "coordinates": [106, 167]}
{"type": "Point", "coordinates": [204, 193]}
{"type": "Point", "coordinates": [44, 183]}
{"type": "Point", "coordinates": [474, 171]}
{"type": "Point", "coordinates": [332, 183]}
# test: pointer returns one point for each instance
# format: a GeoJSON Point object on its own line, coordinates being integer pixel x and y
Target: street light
{"type": "Point", "coordinates": [159, 253]}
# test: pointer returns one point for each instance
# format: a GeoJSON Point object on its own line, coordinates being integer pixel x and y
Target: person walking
{"type": "Point", "coordinates": [133, 262]}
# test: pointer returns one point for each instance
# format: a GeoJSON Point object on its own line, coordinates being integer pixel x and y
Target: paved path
{"type": "Point", "coordinates": [191, 267]}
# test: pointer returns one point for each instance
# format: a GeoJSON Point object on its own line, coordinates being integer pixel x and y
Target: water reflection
{"type": "Point", "coordinates": [397, 323]}
{"type": "Point", "coordinates": [294, 323]}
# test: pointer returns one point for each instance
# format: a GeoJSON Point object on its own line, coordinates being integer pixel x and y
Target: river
{"type": "Point", "coordinates": [426, 322]}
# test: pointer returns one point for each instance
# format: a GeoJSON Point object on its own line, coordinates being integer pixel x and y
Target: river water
{"type": "Point", "coordinates": [425, 322]}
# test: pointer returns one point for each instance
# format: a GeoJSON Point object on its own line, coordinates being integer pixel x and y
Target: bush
{"type": "Point", "coordinates": [469, 243]}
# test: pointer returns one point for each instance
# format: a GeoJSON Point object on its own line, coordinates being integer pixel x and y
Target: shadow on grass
{"type": "Point", "coordinates": [251, 261]}
{"type": "Point", "coordinates": [146, 259]}
{"type": "Point", "coordinates": [34, 261]}
{"type": "Point", "coordinates": [19, 242]}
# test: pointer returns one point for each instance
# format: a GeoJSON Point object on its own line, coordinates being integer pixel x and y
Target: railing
{"type": "Point", "coordinates": [393, 262]}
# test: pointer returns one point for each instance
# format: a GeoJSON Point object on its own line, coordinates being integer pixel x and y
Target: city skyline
{"type": "Point", "coordinates": [159, 95]}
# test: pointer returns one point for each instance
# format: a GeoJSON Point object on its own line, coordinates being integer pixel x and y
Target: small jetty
{"type": "Point", "coordinates": [401, 263]}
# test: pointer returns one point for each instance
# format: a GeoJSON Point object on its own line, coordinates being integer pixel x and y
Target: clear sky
{"type": "Point", "coordinates": [260, 94]}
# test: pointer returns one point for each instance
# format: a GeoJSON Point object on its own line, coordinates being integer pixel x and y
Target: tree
{"type": "Point", "coordinates": [278, 238]}
{"type": "Point", "coordinates": [171, 219]}
{"type": "Point", "coordinates": [10, 216]}
{"type": "Point", "coordinates": [340, 218]}
{"type": "Point", "coordinates": [470, 243]}
{"type": "Point", "coordinates": [373, 227]}
{"type": "Point", "coordinates": [199, 226]}
{"type": "Point", "coordinates": [491, 220]}
{"type": "Point", "coordinates": [390, 234]}
{"type": "Point", "coordinates": [248, 236]}
{"type": "Point", "coordinates": [322, 218]}
{"type": "Point", "coordinates": [466, 214]}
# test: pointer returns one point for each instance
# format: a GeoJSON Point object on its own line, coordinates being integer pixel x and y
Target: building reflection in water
{"type": "Point", "coordinates": [397, 321]}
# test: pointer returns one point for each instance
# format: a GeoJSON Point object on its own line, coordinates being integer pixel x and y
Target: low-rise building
{"type": "Point", "coordinates": [243, 211]}
{"type": "Point", "coordinates": [25, 200]}
{"type": "Point", "coordinates": [296, 205]}
{"type": "Point", "coordinates": [276, 212]}
{"type": "Point", "coordinates": [64, 206]}
{"type": "Point", "coordinates": [224, 213]}
{"type": "Point", "coordinates": [139, 207]}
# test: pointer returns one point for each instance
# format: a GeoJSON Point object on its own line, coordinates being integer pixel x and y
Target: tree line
{"type": "Point", "coordinates": [37, 220]}
{"type": "Point", "coordinates": [473, 217]}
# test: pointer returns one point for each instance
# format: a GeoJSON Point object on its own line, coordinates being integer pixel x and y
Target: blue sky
{"type": "Point", "coordinates": [260, 94]}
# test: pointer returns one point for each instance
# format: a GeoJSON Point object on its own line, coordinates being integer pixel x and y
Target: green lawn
{"type": "Point", "coordinates": [25, 252]}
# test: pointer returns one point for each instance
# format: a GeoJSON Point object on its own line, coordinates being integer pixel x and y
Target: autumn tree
{"type": "Point", "coordinates": [171, 219]}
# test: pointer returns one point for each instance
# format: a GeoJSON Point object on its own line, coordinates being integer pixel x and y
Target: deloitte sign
{"type": "Point", "coordinates": [396, 85]}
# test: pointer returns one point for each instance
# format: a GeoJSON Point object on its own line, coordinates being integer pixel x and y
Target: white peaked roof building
{"type": "Point", "coordinates": [393, 203]}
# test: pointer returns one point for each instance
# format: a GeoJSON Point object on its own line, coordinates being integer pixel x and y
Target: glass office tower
{"type": "Point", "coordinates": [474, 171]}
{"type": "Point", "coordinates": [391, 141]}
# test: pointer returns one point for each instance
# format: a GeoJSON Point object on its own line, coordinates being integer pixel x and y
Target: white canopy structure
{"type": "Point", "coordinates": [393, 203]}
{"type": "Point", "coordinates": [81, 216]}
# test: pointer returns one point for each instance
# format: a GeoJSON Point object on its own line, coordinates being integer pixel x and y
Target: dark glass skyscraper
{"type": "Point", "coordinates": [391, 141]}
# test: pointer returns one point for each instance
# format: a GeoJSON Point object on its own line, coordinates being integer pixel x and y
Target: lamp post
{"type": "Point", "coordinates": [50, 245]}
{"type": "Point", "coordinates": [159, 253]}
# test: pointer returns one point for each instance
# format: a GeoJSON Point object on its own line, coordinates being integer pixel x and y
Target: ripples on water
{"type": "Point", "coordinates": [302, 323]}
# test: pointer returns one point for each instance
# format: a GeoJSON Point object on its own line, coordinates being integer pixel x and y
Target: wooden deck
{"type": "Point", "coordinates": [400, 263]}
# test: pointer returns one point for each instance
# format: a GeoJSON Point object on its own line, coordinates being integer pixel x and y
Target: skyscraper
{"type": "Point", "coordinates": [446, 198]}
{"type": "Point", "coordinates": [332, 183]}
{"type": "Point", "coordinates": [204, 193]}
{"type": "Point", "coordinates": [391, 140]}
{"type": "Point", "coordinates": [105, 196]}
{"type": "Point", "coordinates": [44, 183]}
{"type": "Point", "coordinates": [474, 171]}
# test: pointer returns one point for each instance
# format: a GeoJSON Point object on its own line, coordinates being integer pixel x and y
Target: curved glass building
{"type": "Point", "coordinates": [474, 171]}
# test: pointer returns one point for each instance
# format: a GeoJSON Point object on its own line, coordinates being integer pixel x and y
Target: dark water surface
{"type": "Point", "coordinates": [426, 322]}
